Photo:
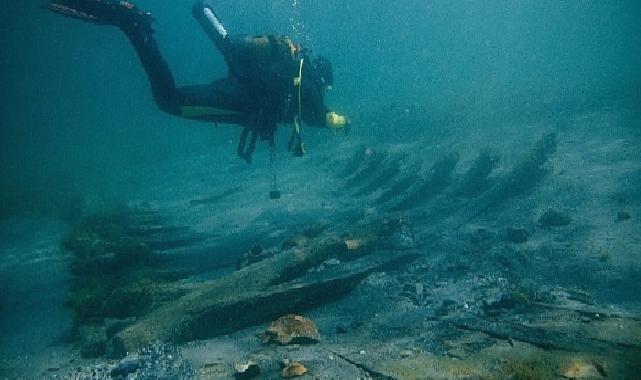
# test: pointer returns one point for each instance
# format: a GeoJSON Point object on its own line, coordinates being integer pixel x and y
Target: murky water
{"type": "Point", "coordinates": [480, 219]}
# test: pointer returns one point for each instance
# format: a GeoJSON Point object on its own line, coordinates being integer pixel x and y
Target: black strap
{"type": "Point", "coordinates": [242, 142]}
{"type": "Point", "coordinates": [246, 152]}
{"type": "Point", "coordinates": [295, 143]}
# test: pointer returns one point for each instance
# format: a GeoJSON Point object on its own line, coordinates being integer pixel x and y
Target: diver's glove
{"type": "Point", "coordinates": [335, 121]}
{"type": "Point", "coordinates": [106, 12]}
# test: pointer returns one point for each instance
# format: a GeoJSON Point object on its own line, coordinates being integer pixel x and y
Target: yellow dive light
{"type": "Point", "coordinates": [335, 121]}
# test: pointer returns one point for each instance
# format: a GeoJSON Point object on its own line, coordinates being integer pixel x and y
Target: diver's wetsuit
{"type": "Point", "coordinates": [261, 65]}
{"type": "Point", "coordinates": [224, 94]}
{"type": "Point", "coordinates": [257, 94]}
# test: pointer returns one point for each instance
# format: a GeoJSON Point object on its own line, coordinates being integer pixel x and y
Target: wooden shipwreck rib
{"type": "Point", "coordinates": [262, 291]}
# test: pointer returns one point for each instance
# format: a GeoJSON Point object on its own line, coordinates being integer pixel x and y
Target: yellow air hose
{"type": "Point", "coordinates": [298, 82]}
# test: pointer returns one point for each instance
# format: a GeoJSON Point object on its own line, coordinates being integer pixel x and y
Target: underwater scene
{"type": "Point", "coordinates": [356, 189]}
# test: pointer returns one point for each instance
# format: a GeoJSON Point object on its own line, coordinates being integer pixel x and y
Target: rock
{"type": "Point", "coordinates": [500, 306]}
{"type": "Point", "coordinates": [398, 234]}
{"type": "Point", "coordinates": [622, 216]}
{"type": "Point", "coordinates": [246, 370]}
{"type": "Point", "coordinates": [447, 307]}
{"type": "Point", "coordinates": [294, 370]}
{"type": "Point", "coordinates": [553, 218]}
{"type": "Point", "coordinates": [414, 292]}
{"type": "Point", "coordinates": [291, 329]}
{"type": "Point", "coordinates": [406, 354]}
{"type": "Point", "coordinates": [517, 235]}
{"type": "Point", "coordinates": [125, 367]}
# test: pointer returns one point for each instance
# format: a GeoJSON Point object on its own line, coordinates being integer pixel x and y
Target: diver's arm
{"type": "Point", "coordinates": [323, 117]}
{"type": "Point", "coordinates": [314, 111]}
{"type": "Point", "coordinates": [203, 12]}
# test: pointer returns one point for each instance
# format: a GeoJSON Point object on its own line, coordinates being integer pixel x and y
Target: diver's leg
{"type": "Point", "coordinates": [163, 86]}
{"type": "Point", "coordinates": [106, 12]}
{"type": "Point", "coordinates": [252, 147]}
{"type": "Point", "coordinates": [136, 25]}
{"type": "Point", "coordinates": [204, 13]}
{"type": "Point", "coordinates": [242, 142]}
{"type": "Point", "coordinates": [246, 152]}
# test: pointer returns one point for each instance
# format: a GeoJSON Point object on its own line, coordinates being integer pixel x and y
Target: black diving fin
{"type": "Point", "coordinates": [104, 12]}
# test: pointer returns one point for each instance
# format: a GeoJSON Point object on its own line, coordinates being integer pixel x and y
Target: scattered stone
{"type": "Point", "coordinates": [502, 305]}
{"type": "Point", "coordinates": [517, 235]}
{"type": "Point", "coordinates": [414, 292]}
{"type": "Point", "coordinates": [246, 370]}
{"type": "Point", "coordinates": [552, 218]}
{"type": "Point", "coordinates": [125, 367]}
{"type": "Point", "coordinates": [155, 361]}
{"type": "Point", "coordinates": [163, 361]}
{"type": "Point", "coordinates": [398, 233]}
{"type": "Point", "coordinates": [622, 216]}
{"type": "Point", "coordinates": [291, 329]}
{"type": "Point", "coordinates": [446, 308]}
{"type": "Point", "coordinates": [211, 370]}
{"type": "Point", "coordinates": [407, 354]}
{"type": "Point", "coordinates": [294, 370]}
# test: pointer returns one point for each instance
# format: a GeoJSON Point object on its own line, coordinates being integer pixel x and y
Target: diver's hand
{"type": "Point", "coordinates": [336, 121]}
{"type": "Point", "coordinates": [106, 12]}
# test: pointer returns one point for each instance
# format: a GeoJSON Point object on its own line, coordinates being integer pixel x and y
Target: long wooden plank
{"type": "Point", "coordinates": [252, 295]}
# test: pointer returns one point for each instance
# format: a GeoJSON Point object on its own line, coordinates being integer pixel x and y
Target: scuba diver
{"type": "Point", "coordinates": [271, 79]}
